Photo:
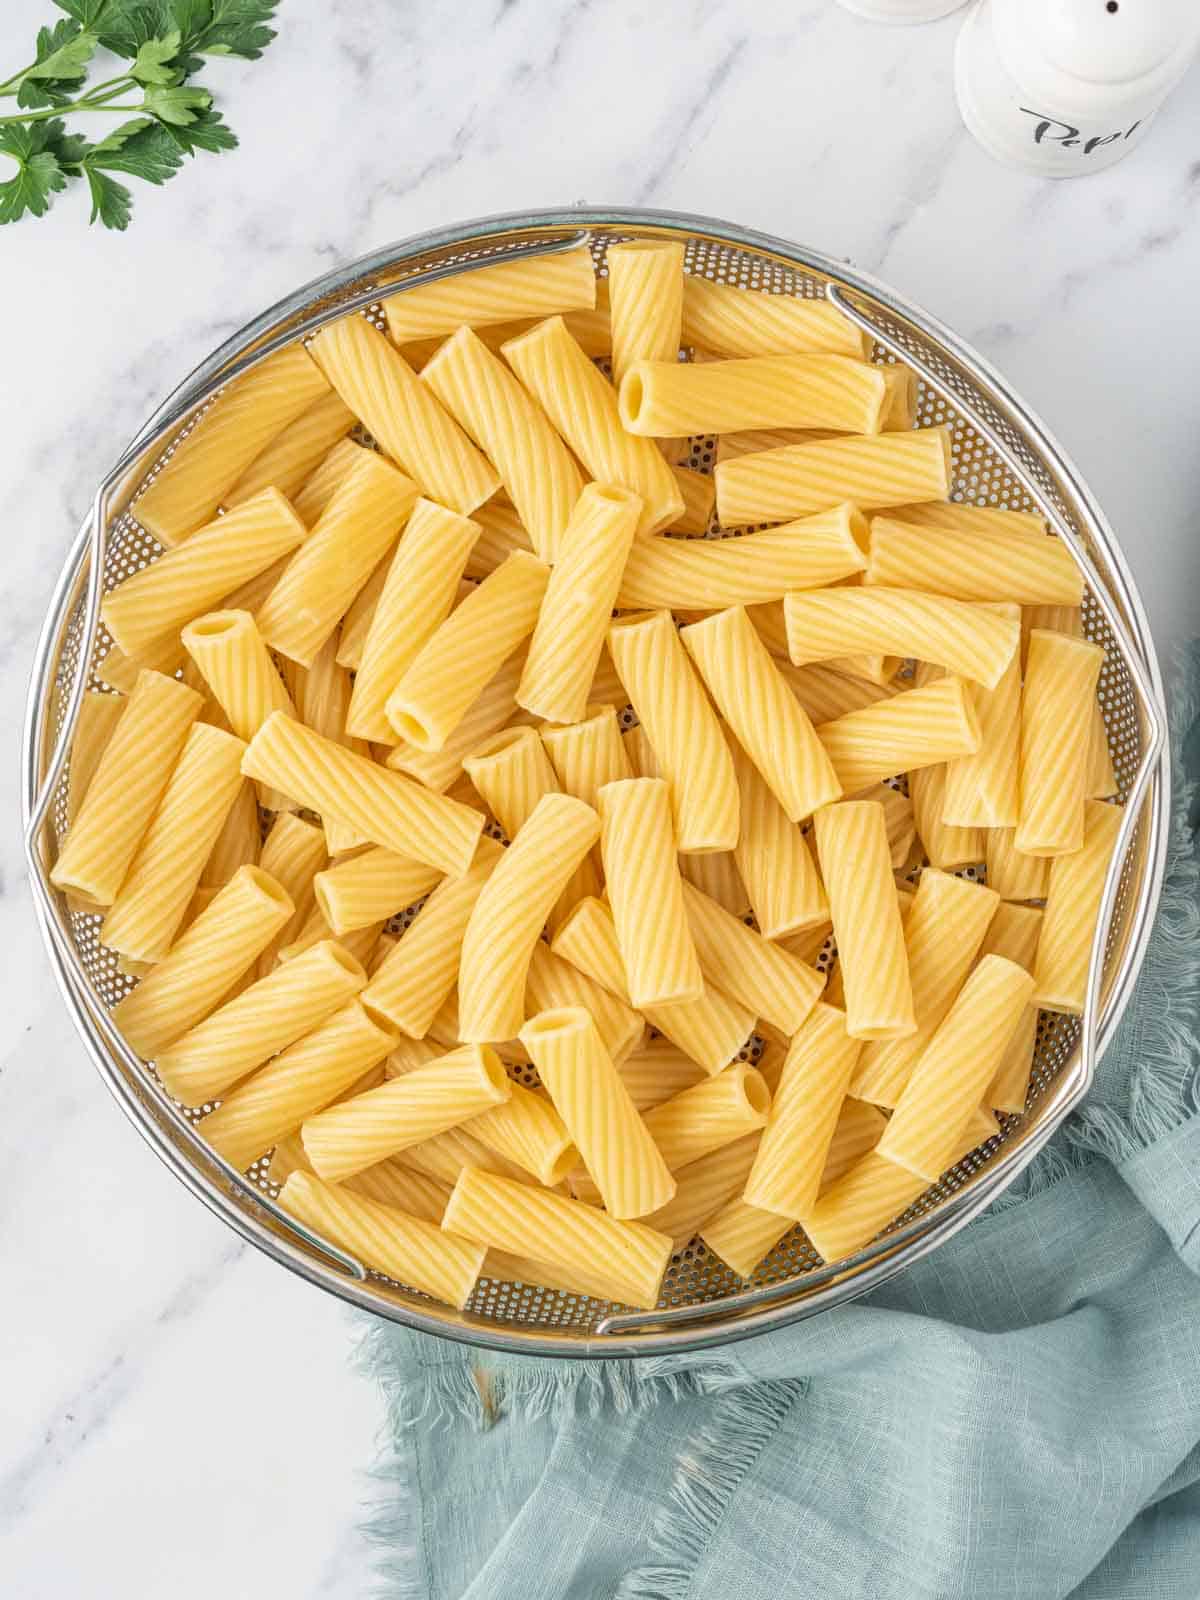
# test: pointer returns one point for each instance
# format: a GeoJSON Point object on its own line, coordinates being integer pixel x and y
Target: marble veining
{"type": "Point", "coordinates": [174, 1411]}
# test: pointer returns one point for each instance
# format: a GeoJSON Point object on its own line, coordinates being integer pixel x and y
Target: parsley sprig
{"type": "Point", "coordinates": [167, 116]}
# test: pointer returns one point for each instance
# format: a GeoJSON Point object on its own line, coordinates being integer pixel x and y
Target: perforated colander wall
{"type": "Point", "coordinates": [981, 478]}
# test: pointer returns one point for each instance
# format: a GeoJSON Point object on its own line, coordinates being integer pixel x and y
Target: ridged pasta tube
{"type": "Point", "coordinates": [210, 459]}
{"type": "Point", "coordinates": [856, 865]}
{"type": "Point", "coordinates": [946, 844]}
{"type": "Point", "coordinates": [99, 714]}
{"type": "Point", "coordinates": [511, 911]}
{"type": "Point", "coordinates": [973, 566]}
{"type": "Point", "coordinates": [537, 470]}
{"type": "Point", "coordinates": [292, 853]}
{"type": "Point", "coordinates": [872, 471]}
{"type": "Point", "coordinates": [370, 888]}
{"type": "Point", "coordinates": [235, 663]}
{"type": "Point", "coordinates": [527, 1130]}
{"type": "Point", "coordinates": [872, 1193]}
{"type": "Point", "coordinates": [158, 601]}
{"type": "Point", "coordinates": [493, 709]}
{"type": "Point", "coordinates": [956, 517]}
{"type": "Point", "coordinates": [762, 976]}
{"type": "Point", "coordinates": [917, 728]}
{"type": "Point", "coordinates": [773, 860]}
{"type": "Point", "coordinates": [661, 399]}
{"type": "Point", "coordinates": [982, 790]}
{"type": "Point", "coordinates": [1014, 933]}
{"type": "Point", "coordinates": [502, 533]}
{"type": "Point", "coordinates": [322, 483]}
{"type": "Point", "coordinates": [403, 415]}
{"type": "Point", "coordinates": [382, 806]}
{"type": "Point", "coordinates": [717, 876]}
{"type": "Point", "coordinates": [1057, 701]}
{"type": "Point", "coordinates": [571, 626]}
{"type": "Point", "coordinates": [943, 931]}
{"type": "Point", "coordinates": [352, 635]}
{"type": "Point", "coordinates": [701, 1119]}
{"type": "Point", "coordinates": [1014, 875]}
{"type": "Point", "coordinates": [953, 1071]}
{"type": "Point", "coordinates": [120, 671]}
{"type": "Point", "coordinates": [294, 454]}
{"type": "Point", "coordinates": [609, 1133]}
{"type": "Point", "coordinates": [237, 844]}
{"type": "Point", "coordinates": [748, 322]}
{"type": "Point", "coordinates": [769, 722]}
{"type": "Point", "coordinates": [686, 737]}
{"type": "Point", "coordinates": [588, 754]}
{"type": "Point", "coordinates": [699, 500]}
{"type": "Point", "coordinates": [1072, 906]}
{"type": "Point", "coordinates": [506, 291]}
{"type": "Point", "coordinates": [403, 1247]}
{"type": "Point", "coordinates": [126, 787]}
{"type": "Point", "coordinates": [656, 1071]}
{"type": "Point", "coordinates": [645, 289]}
{"type": "Point", "coordinates": [582, 405]}
{"type": "Point", "coordinates": [554, 983]}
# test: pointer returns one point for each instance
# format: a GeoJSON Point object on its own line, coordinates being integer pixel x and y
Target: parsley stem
{"type": "Point", "coordinates": [11, 85]}
{"type": "Point", "coordinates": [49, 113]}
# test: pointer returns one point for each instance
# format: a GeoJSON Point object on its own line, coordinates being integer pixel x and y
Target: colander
{"type": "Point", "coordinates": [1003, 456]}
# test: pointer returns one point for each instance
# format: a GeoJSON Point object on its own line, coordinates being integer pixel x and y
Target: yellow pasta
{"type": "Point", "coordinates": [494, 709]}
{"type": "Point", "coordinates": [588, 754]}
{"type": "Point", "coordinates": [703, 1187]}
{"type": "Point", "coordinates": [319, 488]}
{"type": "Point", "coordinates": [786, 1176]}
{"type": "Point", "coordinates": [917, 728]}
{"type": "Point", "coordinates": [554, 983]}
{"type": "Point", "coordinates": [872, 471]}
{"type": "Point", "coordinates": [1056, 728]}
{"type": "Point", "coordinates": [945, 844]}
{"type": "Point", "coordinates": [898, 819]}
{"type": "Point", "coordinates": [645, 286]}
{"type": "Point", "coordinates": [125, 789]}
{"type": "Point", "coordinates": [754, 569]}
{"type": "Point", "coordinates": [955, 517]}
{"type": "Point", "coordinates": [238, 843]}
{"type": "Point", "coordinates": [747, 322]}
{"type": "Point", "coordinates": [350, 538]}
{"type": "Point", "coordinates": [687, 740]}
{"type": "Point", "coordinates": [710, 1030]}
{"type": "Point", "coordinates": [645, 891]}
{"type": "Point", "coordinates": [641, 757]}
{"type": "Point", "coordinates": [402, 415]}
{"type": "Point", "coordinates": [827, 693]}
{"type": "Point", "coordinates": [527, 1130]}
{"type": "Point", "coordinates": [296, 1085]}
{"type": "Point", "coordinates": [624, 1261]}
{"type": "Point", "coordinates": [1014, 932]}
{"type": "Point", "coordinates": [859, 1205]}
{"type": "Point", "coordinates": [577, 608]}
{"type": "Point", "coordinates": [588, 1092]}
{"type": "Point", "coordinates": [356, 624]}
{"type": "Point", "coordinates": [292, 853]}
{"type": "Point", "coordinates": [767, 980]}
{"type": "Point", "coordinates": [359, 943]}
{"type": "Point", "coordinates": [99, 715]}
{"type": "Point", "coordinates": [537, 286]}
{"type": "Point", "coordinates": [661, 399]}
{"type": "Point", "coordinates": [717, 876]}
{"type": "Point", "coordinates": [769, 722]}
{"type": "Point", "coordinates": [391, 1184]}
{"type": "Point", "coordinates": [699, 1120]}
{"type": "Point", "coordinates": [773, 860]}
{"type": "Point", "coordinates": [1101, 778]}
{"type": "Point", "coordinates": [403, 1247]}
{"type": "Point", "coordinates": [120, 671]}
{"type": "Point", "coordinates": [457, 1087]}
{"type": "Point", "coordinates": [973, 566]}
{"type": "Point", "coordinates": [953, 1071]}
{"type": "Point", "coordinates": [384, 807]}
{"type": "Point", "coordinates": [944, 930]}
{"type": "Point", "coordinates": [511, 911]}
{"type": "Point", "coordinates": [537, 470]}
{"type": "Point", "coordinates": [856, 865]}
{"type": "Point", "coordinates": [237, 667]}
{"type": "Point", "coordinates": [1014, 875]}
{"type": "Point", "coordinates": [162, 598]}
{"type": "Point", "coordinates": [264, 1019]}
{"type": "Point", "coordinates": [656, 1071]}
{"type": "Point", "coordinates": [973, 641]}
{"type": "Point", "coordinates": [370, 888]}
{"type": "Point", "coordinates": [465, 651]}
{"type": "Point", "coordinates": [1072, 906]}
{"type": "Point", "coordinates": [982, 790]}
{"type": "Point", "coordinates": [293, 455]}
{"type": "Point", "coordinates": [418, 593]}
{"type": "Point", "coordinates": [205, 962]}
{"type": "Point", "coordinates": [502, 533]}
{"type": "Point", "coordinates": [699, 500]}
{"type": "Point", "coordinates": [420, 972]}
{"type": "Point", "coordinates": [208, 461]}
{"type": "Point", "coordinates": [165, 872]}
{"type": "Point", "coordinates": [582, 405]}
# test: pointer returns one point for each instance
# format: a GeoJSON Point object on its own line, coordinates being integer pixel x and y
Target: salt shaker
{"type": "Point", "coordinates": [901, 10]}
{"type": "Point", "coordinates": [1067, 87]}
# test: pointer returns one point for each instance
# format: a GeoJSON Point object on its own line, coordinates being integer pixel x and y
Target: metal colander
{"type": "Point", "coordinates": [1002, 457]}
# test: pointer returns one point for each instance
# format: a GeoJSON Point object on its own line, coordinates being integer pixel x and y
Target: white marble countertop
{"type": "Point", "coordinates": [175, 1412]}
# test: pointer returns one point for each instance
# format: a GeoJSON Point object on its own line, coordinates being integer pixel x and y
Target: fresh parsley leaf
{"type": "Point", "coordinates": [39, 174]}
{"type": "Point", "coordinates": [85, 12]}
{"type": "Point", "coordinates": [112, 203]}
{"type": "Point", "coordinates": [124, 26]}
{"type": "Point", "coordinates": [152, 62]}
{"type": "Point", "coordinates": [141, 148]}
{"type": "Point", "coordinates": [236, 28]}
{"type": "Point", "coordinates": [63, 53]}
{"type": "Point", "coordinates": [207, 131]}
{"type": "Point", "coordinates": [178, 106]}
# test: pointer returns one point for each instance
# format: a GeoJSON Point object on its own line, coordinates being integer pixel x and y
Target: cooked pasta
{"type": "Point", "coordinates": [238, 843]}
{"type": "Point", "coordinates": [99, 715]}
{"type": "Point", "coordinates": [1072, 906]}
{"type": "Point", "coordinates": [326, 478]}
{"type": "Point", "coordinates": [979, 566]}
{"type": "Point", "coordinates": [856, 867]}
{"type": "Point", "coordinates": [746, 322]}
{"type": "Point", "coordinates": [1014, 933]}
{"type": "Point", "coordinates": [538, 472]}
{"type": "Point", "coordinates": [699, 499]}
{"type": "Point", "coordinates": [582, 405]}
{"type": "Point", "coordinates": [658, 1070]}
{"type": "Point", "coordinates": [687, 740]}
{"type": "Point", "coordinates": [661, 399]}
{"type": "Point", "coordinates": [1014, 875]}
{"type": "Point", "coordinates": [370, 888]}
{"type": "Point", "coordinates": [403, 415]}
{"type": "Point", "coordinates": [703, 1187]}
{"type": "Point", "coordinates": [125, 789]}
{"type": "Point", "coordinates": [554, 983]}
{"type": "Point", "coordinates": [292, 853]}
{"type": "Point", "coordinates": [913, 729]}
{"type": "Point", "coordinates": [502, 533]}
{"type": "Point", "coordinates": [754, 569]}
{"type": "Point", "coordinates": [859, 1205]}
{"type": "Point", "coordinates": [571, 626]}
{"type": "Point", "coordinates": [701, 1119]}
{"type": "Point", "coordinates": [872, 471]}
{"type": "Point", "coordinates": [588, 754]}
{"type": "Point", "coordinates": [294, 454]}
{"type": "Point", "coordinates": [772, 860]}
{"type": "Point", "coordinates": [237, 667]}
{"type": "Point", "coordinates": [767, 980]}
{"type": "Point", "coordinates": [153, 604]}
{"type": "Point", "coordinates": [495, 708]}
{"type": "Point", "coordinates": [769, 722]}
{"type": "Point", "coordinates": [645, 890]}
{"type": "Point", "coordinates": [210, 458]}
{"type": "Point", "coordinates": [120, 671]}
{"type": "Point", "coordinates": [717, 876]}
{"type": "Point", "coordinates": [418, 592]}
{"type": "Point", "coordinates": [527, 1130]}
{"type": "Point", "coordinates": [1057, 697]}
{"type": "Point", "coordinates": [645, 287]}
{"type": "Point", "coordinates": [538, 286]}
{"type": "Point", "coordinates": [946, 844]}
{"type": "Point", "coordinates": [954, 517]}
{"type": "Point", "coordinates": [590, 1096]}
{"type": "Point", "coordinates": [982, 789]}
{"type": "Point", "coordinates": [944, 930]}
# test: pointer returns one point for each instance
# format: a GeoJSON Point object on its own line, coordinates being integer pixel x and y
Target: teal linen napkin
{"type": "Point", "coordinates": [1016, 1416]}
